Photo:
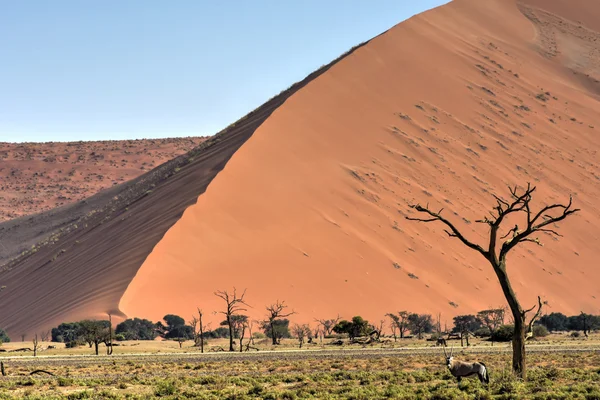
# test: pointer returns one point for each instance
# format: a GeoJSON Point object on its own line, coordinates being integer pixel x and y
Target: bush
{"type": "Point", "coordinates": [555, 322]}
{"type": "Point", "coordinates": [504, 333]}
{"type": "Point", "coordinates": [120, 337]}
{"type": "Point", "coordinates": [575, 334]}
{"type": "Point", "coordinates": [483, 332]}
{"type": "Point", "coordinates": [3, 337]}
{"type": "Point", "coordinates": [136, 329]}
{"type": "Point", "coordinates": [355, 328]}
{"type": "Point", "coordinates": [540, 331]}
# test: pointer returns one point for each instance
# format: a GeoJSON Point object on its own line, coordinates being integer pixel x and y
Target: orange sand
{"type": "Point", "coordinates": [440, 109]}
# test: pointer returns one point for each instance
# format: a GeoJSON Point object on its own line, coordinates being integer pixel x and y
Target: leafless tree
{"type": "Point", "coordinates": [198, 328]}
{"type": "Point", "coordinates": [301, 332]}
{"type": "Point", "coordinates": [395, 321]}
{"type": "Point", "coordinates": [540, 222]}
{"type": "Point", "coordinates": [235, 305]}
{"type": "Point", "coordinates": [492, 319]}
{"type": "Point", "coordinates": [44, 336]}
{"type": "Point", "coordinates": [35, 344]}
{"type": "Point", "coordinates": [328, 324]}
{"type": "Point", "coordinates": [276, 311]}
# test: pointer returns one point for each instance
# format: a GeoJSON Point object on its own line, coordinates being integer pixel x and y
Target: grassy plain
{"type": "Point", "coordinates": [560, 368]}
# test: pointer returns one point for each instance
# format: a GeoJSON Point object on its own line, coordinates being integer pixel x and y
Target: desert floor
{"type": "Point", "coordinates": [560, 367]}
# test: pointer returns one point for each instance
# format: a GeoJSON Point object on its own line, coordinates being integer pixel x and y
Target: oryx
{"type": "Point", "coordinates": [461, 369]}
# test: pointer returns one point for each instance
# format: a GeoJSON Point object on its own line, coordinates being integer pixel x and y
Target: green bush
{"type": "Point", "coordinates": [482, 332]}
{"type": "Point", "coordinates": [504, 333]}
{"type": "Point", "coordinates": [540, 331]}
{"type": "Point", "coordinates": [3, 337]}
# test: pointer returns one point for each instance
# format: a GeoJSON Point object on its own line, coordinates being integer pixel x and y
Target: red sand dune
{"type": "Point", "coordinates": [305, 200]}
{"type": "Point", "coordinates": [440, 109]}
{"type": "Point", "coordinates": [36, 177]}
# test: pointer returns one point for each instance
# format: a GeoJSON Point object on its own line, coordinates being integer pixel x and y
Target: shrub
{"type": "Point", "coordinates": [355, 328]}
{"type": "Point", "coordinates": [575, 334]}
{"type": "Point", "coordinates": [3, 337]}
{"type": "Point", "coordinates": [504, 333]}
{"type": "Point", "coordinates": [483, 332]}
{"type": "Point", "coordinates": [66, 332]}
{"type": "Point", "coordinates": [555, 322]}
{"type": "Point", "coordinates": [136, 329]}
{"type": "Point", "coordinates": [540, 331]}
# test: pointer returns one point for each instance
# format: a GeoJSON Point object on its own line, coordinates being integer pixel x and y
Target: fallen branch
{"type": "Point", "coordinates": [41, 371]}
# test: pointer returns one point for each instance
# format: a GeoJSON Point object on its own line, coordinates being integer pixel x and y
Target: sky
{"type": "Point", "coordinates": [112, 69]}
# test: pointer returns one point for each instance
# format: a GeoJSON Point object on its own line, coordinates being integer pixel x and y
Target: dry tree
{"type": "Point", "coordinates": [276, 311]}
{"type": "Point", "coordinates": [498, 246]}
{"type": "Point", "coordinates": [235, 304]}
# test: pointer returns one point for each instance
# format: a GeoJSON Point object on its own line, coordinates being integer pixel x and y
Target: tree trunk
{"type": "Point", "coordinates": [201, 335]}
{"type": "Point", "coordinates": [230, 333]}
{"type": "Point", "coordinates": [518, 344]}
{"type": "Point", "coordinates": [2, 370]}
{"type": "Point", "coordinates": [518, 362]}
{"type": "Point", "coordinates": [273, 335]}
{"type": "Point", "coordinates": [461, 339]}
{"type": "Point", "coordinates": [96, 347]}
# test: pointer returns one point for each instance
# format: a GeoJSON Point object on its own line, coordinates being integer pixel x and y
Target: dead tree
{"type": "Point", "coordinates": [496, 253]}
{"type": "Point", "coordinates": [35, 344]}
{"type": "Point", "coordinates": [235, 304]}
{"type": "Point", "coordinates": [275, 312]}
{"type": "Point", "coordinates": [198, 327]}
{"type": "Point", "coordinates": [328, 325]}
{"type": "Point", "coordinates": [395, 321]}
{"type": "Point", "coordinates": [301, 332]}
{"type": "Point", "coordinates": [45, 336]}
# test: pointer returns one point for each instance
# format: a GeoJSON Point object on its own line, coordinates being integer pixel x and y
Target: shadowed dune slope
{"type": "Point", "coordinates": [445, 108]}
{"type": "Point", "coordinates": [84, 255]}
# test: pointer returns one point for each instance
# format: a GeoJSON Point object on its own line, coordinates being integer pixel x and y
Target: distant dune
{"type": "Point", "coordinates": [36, 177]}
{"type": "Point", "coordinates": [308, 205]}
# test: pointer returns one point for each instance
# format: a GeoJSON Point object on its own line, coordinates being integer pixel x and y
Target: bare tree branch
{"type": "Point", "coordinates": [453, 232]}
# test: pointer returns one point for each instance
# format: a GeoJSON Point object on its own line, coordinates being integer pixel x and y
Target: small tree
{"type": "Point", "coordinates": [94, 332]}
{"type": "Point", "coordinates": [465, 324]}
{"type": "Point", "coordinates": [3, 337]}
{"type": "Point", "coordinates": [496, 253]}
{"type": "Point", "coordinates": [67, 332]}
{"type": "Point", "coordinates": [420, 324]}
{"type": "Point", "coordinates": [35, 344]}
{"type": "Point", "coordinates": [328, 325]}
{"type": "Point", "coordinates": [301, 332]}
{"type": "Point", "coordinates": [355, 328]}
{"type": "Point", "coordinates": [404, 322]}
{"type": "Point", "coordinates": [492, 319]}
{"type": "Point", "coordinates": [234, 304]}
{"type": "Point", "coordinates": [276, 312]}
{"type": "Point", "coordinates": [176, 329]}
{"type": "Point", "coordinates": [136, 329]}
{"type": "Point", "coordinates": [198, 328]}
{"type": "Point", "coordinates": [280, 329]}
{"type": "Point", "coordinates": [394, 324]}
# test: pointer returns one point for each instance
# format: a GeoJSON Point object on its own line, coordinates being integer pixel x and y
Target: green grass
{"type": "Point", "coordinates": [551, 376]}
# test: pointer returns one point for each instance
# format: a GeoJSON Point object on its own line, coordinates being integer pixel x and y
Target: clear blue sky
{"type": "Point", "coordinates": [112, 69]}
